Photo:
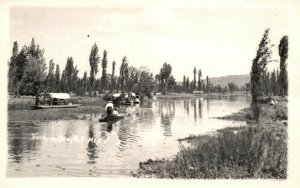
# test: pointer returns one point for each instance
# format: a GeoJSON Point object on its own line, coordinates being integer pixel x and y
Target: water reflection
{"type": "Point", "coordinates": [92, 148]}
{"type": "Point", "coordinates": [150, 131]}
{"type": "Point", "coordinates": [207, 105]}
{"type": "Point", "coordinates": [200, 107]}
{"type": "Point", "coordinates": [195, 109]}
{"type": "Point", "coordinates": [186, 105]}
{"type": "Point", "coordinates": [109, 127]}
{"type": "Point", "coordinates": [20, 142]}
{"type": "Point", "coordinates": [167, 113]}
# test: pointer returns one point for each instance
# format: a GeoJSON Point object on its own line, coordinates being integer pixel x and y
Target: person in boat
{"type": "Point", "coordinates": [110, 110]}
{"type": "Point", "coordinates": [115, 112]}
{"type": "Point", "coordinates": [37, 99]}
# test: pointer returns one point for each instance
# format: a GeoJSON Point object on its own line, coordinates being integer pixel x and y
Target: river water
{"type": "Point", "coordinates": [90, 148]}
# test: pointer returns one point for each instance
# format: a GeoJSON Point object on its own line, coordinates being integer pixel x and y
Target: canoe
{"type": "Point", "coordinates": [114, 118]}
{"type": "Point", "coordinates": [55, 106]}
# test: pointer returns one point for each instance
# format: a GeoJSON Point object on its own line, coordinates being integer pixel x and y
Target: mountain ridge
{"type": "Point", "coordinates": [239, 80]}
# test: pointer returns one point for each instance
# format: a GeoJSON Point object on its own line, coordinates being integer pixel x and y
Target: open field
{"type": "Point", "coordinates": [255, 151]}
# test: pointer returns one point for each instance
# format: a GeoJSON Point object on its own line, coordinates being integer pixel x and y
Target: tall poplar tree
{"type": "Point", "coordinates": [259, 63]}
{"type": "Point", "coordinates": [12, 81]}
{"type": "Point", "coordinates": [50, 83]}
{"type": "Point", "coordinates": [57, 78]}
{"type": "Point", "coordinates": [94, 61]}
{"type": "Point", "coordinates": [283, 49]}
{"type": "Point", "coordinates": [199, 79]}
{"type": "Point", "coordinates": [113, 75]}
{"type": "Point", "coordinates": [194, 82]}
{"type": "Point", "coordinates": [103, 82]}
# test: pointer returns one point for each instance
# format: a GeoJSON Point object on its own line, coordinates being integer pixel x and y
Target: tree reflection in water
{"type": "Point", "coordinates": [207, 105]}
{"type": "Point", "coordinates": [186, 105]}
{"type": "Point", "coordinates": [195, 109]}
{"type": "Point", "coordinates": [200, 107]}
{"type": "Point", "coordinates": [92, 149]}
{"type": "Point", "coordinates": [20, 142]}
{"type": "Point", "coordinates": [167, 113]}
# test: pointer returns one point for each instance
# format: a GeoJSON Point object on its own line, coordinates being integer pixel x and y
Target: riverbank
{"type": "Point", "coordinates": [19, 109]}
{"type": "Point", "coordinates": [25, 102]}
{"type": "Point", "coordinates": [169, 96]}
{"type": "Point", "coordinates": [258, 150]}
{"type": "Point", "coordinates": [82, 112]}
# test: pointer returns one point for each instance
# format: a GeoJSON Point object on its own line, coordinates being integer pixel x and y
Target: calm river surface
{"type": "Point", "coordinates": [90, 148]}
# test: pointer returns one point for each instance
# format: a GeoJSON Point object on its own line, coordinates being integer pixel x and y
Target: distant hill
{"type": "Point", "coordinates": [239, 80]}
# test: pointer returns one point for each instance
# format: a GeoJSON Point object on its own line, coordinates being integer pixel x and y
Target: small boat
{"type": "Point", "coordinates": [113, 118]}
{"type": "Point", "coordinates": [55, 106]}
{"type": "Point", "coordinates": [54, 100]}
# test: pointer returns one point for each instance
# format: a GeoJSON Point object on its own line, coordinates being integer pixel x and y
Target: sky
{"type": "Point", "coordinates": [218, 41]}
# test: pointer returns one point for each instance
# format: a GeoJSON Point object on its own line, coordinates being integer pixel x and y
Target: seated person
{"type": "Point", "coordinates": [115, 112]}
{"type": "Point", "coordinates": [109, 109]}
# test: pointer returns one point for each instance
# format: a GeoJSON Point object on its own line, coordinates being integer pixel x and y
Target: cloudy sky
{"type": "Point", "coordinates": [218, 41]}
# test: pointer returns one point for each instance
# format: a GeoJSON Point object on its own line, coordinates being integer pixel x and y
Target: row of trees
{"type": "Point", "coordinates": [261, 81]}
{"type": "Point", "coordinates": [28, 74]}
{"type": "Point", "coordinates": [204, 85]}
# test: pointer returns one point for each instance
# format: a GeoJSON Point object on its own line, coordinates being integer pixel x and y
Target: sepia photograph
{"type": "Point", "coordinates": [149, 91]}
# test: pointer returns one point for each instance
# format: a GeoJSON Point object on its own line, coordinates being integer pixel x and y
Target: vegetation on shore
{"type": "Point", "coordinates": [258, 150]}
{"type": "Point", "coordinates": [25, 102]}
{"type": "Point", "coordinates": [19, 109]}
{"type": "Point", "coordinates": [82, 112]}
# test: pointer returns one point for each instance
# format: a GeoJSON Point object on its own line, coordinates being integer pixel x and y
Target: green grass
{"type": "Point", "coordinates": [256, 151]}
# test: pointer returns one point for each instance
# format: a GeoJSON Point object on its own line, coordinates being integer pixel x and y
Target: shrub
{"type": "Point", "coordinates": [107, 97]}
{"type": "Point", "coordinates": [244, 153]}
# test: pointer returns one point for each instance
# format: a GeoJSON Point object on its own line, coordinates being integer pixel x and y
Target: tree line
{"type": "Point", "coordinates": [203, 85]}
{"type": "Point", "coordinates": [29, 74]}
{"type": "Point", "coordinates": [262, 82]}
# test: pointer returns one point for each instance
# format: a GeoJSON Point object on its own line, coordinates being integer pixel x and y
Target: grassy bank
{"type": "Point", "coordinates": [25, 102]}
{"type": "Point", "coordinates": [19, 109]}
{"type": "Point", "coordinates": [256, 151]}
{"type": "Point", "coordinates": [82, 112]}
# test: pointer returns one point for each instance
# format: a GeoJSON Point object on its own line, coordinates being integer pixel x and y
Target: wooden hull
{"type": "Point", "coordinates": [55, 106]}
{"type": "Point", "coordinates": [111, 119]}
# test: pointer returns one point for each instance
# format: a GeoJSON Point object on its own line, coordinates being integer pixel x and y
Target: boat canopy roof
{"type": "Point", "coordinates": [116, 95]}
{"type": "Point", "coordinates": [59, 95]}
